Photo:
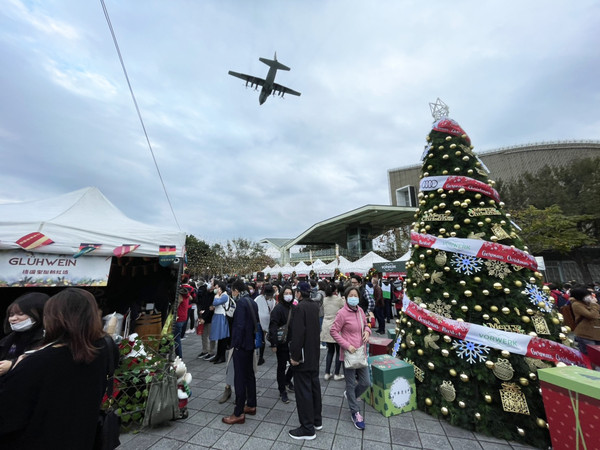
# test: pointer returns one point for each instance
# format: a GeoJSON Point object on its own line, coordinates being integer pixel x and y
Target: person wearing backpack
{"type": "Point", "coordinates": [587, 317]}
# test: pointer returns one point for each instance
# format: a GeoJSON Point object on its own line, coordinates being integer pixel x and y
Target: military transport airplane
{"type": "Point", "coordinates": [268, 85]}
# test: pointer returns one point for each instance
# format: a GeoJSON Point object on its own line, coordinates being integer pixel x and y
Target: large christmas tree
{"type": "Point", "coordinates": [477, 321]}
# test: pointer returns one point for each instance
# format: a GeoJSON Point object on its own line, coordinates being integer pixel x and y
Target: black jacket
{"type": "Point", "coordinates": [18, 342]}
{"type": "Point", "coordinates": [305, 335]}
{"type": "Point", "coordinates": [242, 331]}
{"type": "Point", "coordinates": [279, 317]}
{"type": "Point", "coordinates": [205, 299]}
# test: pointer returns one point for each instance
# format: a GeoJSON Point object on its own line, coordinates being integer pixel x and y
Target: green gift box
{"type": "Point", "coordinates": [385, 369]}
{"type": "Point", "coordinates": [401, 397]}
{"type": "Point", "coordinates": [391, 333]}
{"type": "Point", "coordinates": [571, 397]}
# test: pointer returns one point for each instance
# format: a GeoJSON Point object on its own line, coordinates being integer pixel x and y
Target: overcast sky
{"type": "Point", "coordinates": [512, 72]}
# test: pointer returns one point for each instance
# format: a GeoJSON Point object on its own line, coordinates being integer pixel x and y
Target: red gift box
{"type": "Point", "coordinates": [379, 345]}
{"type": "Point", "coordinates": [572, 402]}
{"type": "Point", "coordinates": [594, 354]}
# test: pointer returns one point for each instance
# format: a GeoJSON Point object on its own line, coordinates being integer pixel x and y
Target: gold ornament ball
{"type": "Point", "coordinates": [447, 339]}
{"type": "Point", "coordinates": [487, 398]}
{"type": "Point", "coordinates": [529, 311]}
{"type": "Point", "coordinates": [404, 320]}
{"type": "Point", "coordinates": [524, 381]}
{"type": "Point", "coordinates": [429, 251]}
{"type": "Point", "coordinates": [445, 295]}
{"type": "Point", "coordinates": [465, 158]}
{"type": "Point", "coordinates": [477, 196]}
{"type": "Point", "coordinates": [486, 317]}
{"type": "Point", "coordinates": [457, 169]}
{"type": "Point", "coordinates": [397, 330]}
{"type": "Point", "coordinates": [464, 308]}
{"type": "Point", "coordinates": [493, 239]}
{"type": "Point", "coordinates": [403, 346]}
{"type": "Point", "coordinates": [506, 291]}
{"type": "Point", "coordinates": [562, 336]}
{"type": "Point", "coordinates": [420, 352]}
{"type": "Point", "coordinates": [427, 289]}
{"type": "Point", "coordinates": [490, 364]}
{"type": "Point", "coordinates": [430, 365]}
{"type": "Point", "coordinates": [446, 269]}
{"type": "Point", "coordinates": [518, 283]}
{"type": "Point", "coordinates": [468, 293]}
{"type": "Point", "coordinates": [480, 224]}
{"type": "Point", "coordinates": [445, 353]}
{"type": "Point", "coordinates": [411, 344]}
{"type": "Point", "coordinates": [449, 138]}
{"type": "Point", "coordinates": [442, 230]}
{"type": "Point", "coordinates": [462, 282]}
{"type": "Point", "coordinates": [540, 422]}
{"type": "Point", "coordinates": [477, 416]}
{"type": "Point", "coordinates": [461, 404]}
{"type": "Point", "coordinates": [477, 308]}
{"type": "Point", "coordinates": [452, 372]}
{"type": "Point", "coordinates": [464, 205]}
{"type": "Point", "coordinates": [532, 334]}
{"type": "Point", "coordinates": [453, 302]}
{"type": "Point", "coordinates": [444, 172]}
{"type": "Point", "coordinates": [494, 308]}
{"type": "Point", "coordinates": [541, 305]}
{"type": "Point", "coordinates": [485, 292]}
{"type": "Point", "coordinates": [456, 226]}
{"type": "Point", "coordinates": [505, 353]}
{"type": "Point", "coordinates": [470, 171]}
{"type": "Point", "coordinates": [477, 280]}
{"type": "Point", "coordinates": [497, 286]}
{"type": "Point", "coordinates": [488, 220]}
{"type": "Point", "coordinates": [461, 191]}
{"type": "Point", "coordinates": [525, 319]}
{"type": "Point", "coordinates": [428, 401]}
{"type": "Point", "coordinates": [555, 321]}
{"type": "Point", "coordinates": [561, 364]}
{"type": "Point", "coordinates": [419, 332]}
{"type": "Point", "coordinates": [532, 280]}
{"type": "Point", "coordinates": [467, 221]}
{"type": "Point", "coordinates": [505, 310]}
{"type": "Point", "coordinates": [442, 205]}
{"type": "Point", "coordinates": [444, 410]}
{"type": "Point", "coordinates": [521, 431]}
{"type": "Point", "coordinates": [446, 156]}
{"type": "Point", "coordinates": [464, 377]}
{"type": "Point", "coordinates": [456, 203]}
{"type": "Point", "coordinates": [538, 275]}
{"type": "Point", "coordinates": [532, 376]}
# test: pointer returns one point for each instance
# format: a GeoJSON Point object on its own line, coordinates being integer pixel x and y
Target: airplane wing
{"type": "Point", "coordinates": [254, 81]}
{"type": "Point", "coordinates": [284, 90]}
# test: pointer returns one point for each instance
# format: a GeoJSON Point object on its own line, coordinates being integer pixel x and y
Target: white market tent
{"type": "Point", "coordinates": [364, 264]}
{"type": "Point", "coordinates": [301, 268]}
{"type": "Point", "coordinates": [318, 264]}
{"type": "Point", "coordinates": [82, 216]}
{"type": "Point", "coordinates": [404, 257]}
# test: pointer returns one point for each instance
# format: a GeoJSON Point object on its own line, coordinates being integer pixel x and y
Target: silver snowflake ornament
{"type": "Point", "coordinates": [538, 297]}
{"type": "Point", "coordinates": [470, 351]}
{"type": "Point", "coordinates": [466, 264]}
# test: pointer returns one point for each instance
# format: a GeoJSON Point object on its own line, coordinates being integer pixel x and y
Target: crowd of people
{"type": "Point", "coordinates": [297, 319]}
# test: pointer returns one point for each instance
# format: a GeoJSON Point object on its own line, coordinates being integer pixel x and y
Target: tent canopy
{"type": "Point", "coordinates": [82, 216]}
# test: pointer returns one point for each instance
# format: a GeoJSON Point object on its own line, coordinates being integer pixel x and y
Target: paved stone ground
{"type": "Point", "coordinates": [269, 427]}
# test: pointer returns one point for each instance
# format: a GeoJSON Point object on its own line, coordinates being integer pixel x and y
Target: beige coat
{"type": "Point", "coordinates": [331, 305]}
{"type": "Point", "coordinates": [588, 317]}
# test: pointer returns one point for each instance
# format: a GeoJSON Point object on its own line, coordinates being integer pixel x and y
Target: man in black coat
{"type": "Point", "coordinates": [305, 355]}
{"type": "Point", "coordinates": [245, 319]}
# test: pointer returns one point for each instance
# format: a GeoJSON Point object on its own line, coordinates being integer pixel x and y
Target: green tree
{"type": "Point", "coordinates": [459, 380]}
{"type": "Point", "coordinates": [549, 229]}
{"type": "Point", "coordinates": [201, 258]}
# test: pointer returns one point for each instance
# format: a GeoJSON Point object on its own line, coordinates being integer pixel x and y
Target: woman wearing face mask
{"type": "Point", "coordinates": [587, 317]}
{"type": "Point", "coordinates": [219, 330]}
{"type": "Point", "coordinates": [24, 328]}
{"type": "Point", "coordinates": [350, 331]}
{"type": "Point", "coordinates": [280, 317]}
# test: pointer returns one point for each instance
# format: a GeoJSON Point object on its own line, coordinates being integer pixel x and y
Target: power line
{"type": "Point", "coordinates": [112, 32]}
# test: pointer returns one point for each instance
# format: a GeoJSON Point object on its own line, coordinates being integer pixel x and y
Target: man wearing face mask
{"type": "Point", "coordinates": [265, 303]}
{"type": "Point", "coordinates": [279, 337]}
{"type": "Point", "coordinates": [24, 328]}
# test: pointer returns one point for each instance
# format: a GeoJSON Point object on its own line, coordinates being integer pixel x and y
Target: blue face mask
{"type": "Point", "coordinates": [353, 301]}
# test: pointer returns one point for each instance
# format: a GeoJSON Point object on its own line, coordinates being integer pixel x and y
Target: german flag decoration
{"type": "Point", "coordinates": [124, 249]}
{"type": "Point", "coordinates": [33, 240]}
{"type": "Point", "coordinates": [166, 255]}
{"type": "Point", "coordinates": [84, 249]}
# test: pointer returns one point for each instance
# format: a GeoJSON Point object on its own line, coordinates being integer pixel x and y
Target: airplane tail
{"type": "Point", "coordinates": [274, 63]}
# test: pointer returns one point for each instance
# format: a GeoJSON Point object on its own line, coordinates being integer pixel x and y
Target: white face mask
{"type": "Point", "coordinates": [24, 325]}
{"type": "Point", "coordinates": [353, 301]}
{"type": "Point", "coordinates": [288, 297]}
{"type": "Point", "coordinates": [216, 291]}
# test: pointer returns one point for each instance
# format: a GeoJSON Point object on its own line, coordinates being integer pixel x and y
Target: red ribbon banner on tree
{"type": "Point", "coordinates": [476, 247]}
{"type": "Point", "coordinates": [448, 182]}
{"type": "Point", "coordinates": [520, 344]}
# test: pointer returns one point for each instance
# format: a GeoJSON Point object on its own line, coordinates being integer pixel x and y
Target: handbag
{"type": "Point", "coordinates": [258, 333]}
{"type": "Point", "coordinates": [199, 328]}
{"type": "Point", "coordinates": [108, 427]}
{"type": "Point", "coordinates": [358, 359]}
{"type": "Point", "coordinates": [163, 403]}
{"type": "Point", "coordinates": [282, 331]}
{"type": "Point", "coordinates": [230, 309]}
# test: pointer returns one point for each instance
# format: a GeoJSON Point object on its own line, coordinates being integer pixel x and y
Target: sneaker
{"type": "Point", "coordinates": [290, 387]}
{"type": "Point", "coordinates": [190, 331]}
{"type": "Point", "coordinates": [202, 355]}
{"type": "Point", "coordinates": [327, 376]}
{"type": "Point", "coordinates": [323, 347]}
{"type": "Point", "coordinates": [284, 397]}
{"type": "Point", "coordinates": [300, 434]}
{"type": "Point", "coordinates": [210, 357]}
{"type": "Point", "coordinates": [319, 427]}
{"type": "Point", "coordinates": [358, 421]}
{"type": "Point", "coordinates": [338, 377]}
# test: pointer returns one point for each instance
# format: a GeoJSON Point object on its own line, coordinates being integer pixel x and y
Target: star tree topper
{"type": "Point", "coordinates": [439, 110]}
